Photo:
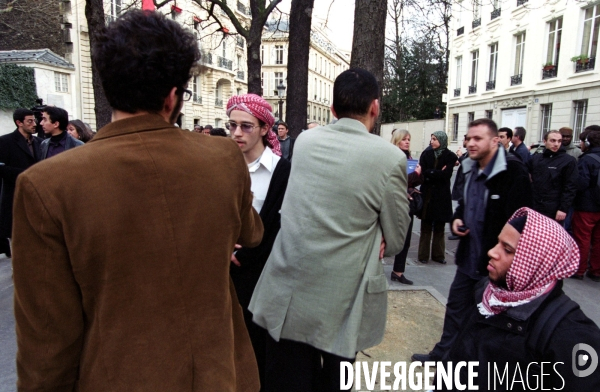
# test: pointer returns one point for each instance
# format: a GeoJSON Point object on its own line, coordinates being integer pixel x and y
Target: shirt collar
{"type": "Point", "coordinates": [267, 160]}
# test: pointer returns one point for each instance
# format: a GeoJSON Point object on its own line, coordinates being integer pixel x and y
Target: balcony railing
{"type": "Point", "coordinates": [516, 80]}
{"type": "Point", "coordinates": [460, 31]}
{"type": "Point", "coordinates": [219, 102]}
{"type": "Point", "coordinates": [549, 72]}
{"type": "Point", "coordinates": [224, 63]}
{"type": "Point", "coordinates": [206, 57]}
{"type": "Point", "coordinates": [585, 66]}
{"type": "Point", "coordinates": [240, 75]}
{"type": "Point", "coordinates": [197, 98]}
{"type": "Point", "coordinates": [472, 89]}
{"type": "Point", "coordinates": [457, 92]}
{"type": "Point", "coordinates": [496, 13]}
{"type": "Point", "coordinates": [243, 9]}
{"type": "Point", "coordinates": [476, 23]}
{"type": "Point", "coordinates": [491, 85]}
{"type": "Point", "coordinates": [521, 2]}
{"type": "Point", "coordinates": [240, 42]}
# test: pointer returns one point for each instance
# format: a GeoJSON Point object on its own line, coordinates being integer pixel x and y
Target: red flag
{"type": "Point", "coordinates": [148, 5]}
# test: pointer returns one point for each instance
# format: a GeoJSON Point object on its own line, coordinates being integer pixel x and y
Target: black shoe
{"type": "Point", "coordinates": [453, 237]}
{"type": "Point", "coordinates": [578, 277]}
{"type": "Point", "coordinates": [593, 277]}
{"type": "Point", "coordinates": [440, 261]}
{"type": "Point", "coordinates": [423, 261]}
{"type": "Point", "coordinates": [400, 278]}
{"type": "Point", "coordinates": [424, 358]}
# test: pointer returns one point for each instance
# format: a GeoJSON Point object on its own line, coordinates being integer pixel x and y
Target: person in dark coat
{"type": "Point", "coordinates": [401, 139]}
{"type": "Point", "coordinates": [437, 165]}
{"type": "Point", "coordinates": [554, 178]}
{"type": "Point", "coordinates": [18, 151]}
{"type": "Point", "coordinates": [526, 268]}
{"type": "Point", "coordinates": [518, 147]}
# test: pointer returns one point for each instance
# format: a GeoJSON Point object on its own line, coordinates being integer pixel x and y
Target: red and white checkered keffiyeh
{"type": "Point", "coordinates": [545, 254]}
{"type": "Point", "coordinates": [258, 107]}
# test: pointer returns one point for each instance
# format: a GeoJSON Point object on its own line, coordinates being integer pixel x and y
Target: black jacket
{"type": "Point", "coordinates": [521, 152]}
{"type": "Point", "coordinates": [502, 339]}
{"type": "Point", "coordinates": [508, 189]}
{"type": "Point", "coordinates": [253, 260]}
{"type": "Point", "coordinates": [588, 168]}
{"type": "Point", "coordinates": [17, 157]}
{"type": "Point", "coordinates": [436, 184]}
{"type": "Point", "coordinates": [554, 181]}
{"type": "Point", "coordinates": [70, 143]}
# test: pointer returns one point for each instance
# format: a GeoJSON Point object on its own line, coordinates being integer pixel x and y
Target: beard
{"type": "Point", "coordinates": [500, 282]}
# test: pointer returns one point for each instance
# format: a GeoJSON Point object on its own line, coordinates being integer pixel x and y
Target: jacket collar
{"type": "Point", "coordinates": [548, 153]}
{"type": "Point", "coordinates": [349, 123]}
{"type": "Point", "coordinates": [499, 163]}
{"type": "Point", "coordinates": [141, 123]}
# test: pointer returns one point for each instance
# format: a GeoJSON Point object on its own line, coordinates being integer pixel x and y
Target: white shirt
{"type": "Point", "coordinates": [261, 172]}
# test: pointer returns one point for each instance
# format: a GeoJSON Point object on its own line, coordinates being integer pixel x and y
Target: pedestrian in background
{"type": "Point", "coordinates": [80, 131]}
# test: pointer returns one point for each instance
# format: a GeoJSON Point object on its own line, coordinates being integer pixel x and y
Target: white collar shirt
{"type": "Point", "coordinates": [261, 172]}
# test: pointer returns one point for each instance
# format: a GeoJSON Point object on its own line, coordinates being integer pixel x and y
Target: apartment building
{"type": "Point", "coordinates": [524, 63]}
{"type": "Point", "coordinates": [326, 62]}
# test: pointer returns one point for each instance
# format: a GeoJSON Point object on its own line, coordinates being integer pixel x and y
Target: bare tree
{"type": "Point", "coordinates": [368, 43]}
{"type": "Point", "coordinates": [298, 53]}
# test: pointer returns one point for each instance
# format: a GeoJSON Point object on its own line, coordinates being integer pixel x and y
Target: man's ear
{"type": "Point", "coordinates": [374, 109]}
{"type": "Point", "coordinates": [170, 101]}
{"type": "Point", "coordinates": [332, 112]}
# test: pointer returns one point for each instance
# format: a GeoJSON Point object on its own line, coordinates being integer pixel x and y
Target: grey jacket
{"type": "Point", "coordinates": [70, 143]}
{"type": "Point", "coordinates": [323, 283]}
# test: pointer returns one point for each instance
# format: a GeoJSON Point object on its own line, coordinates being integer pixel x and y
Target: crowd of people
{"type": "Point", "coordinates": [263, 274]}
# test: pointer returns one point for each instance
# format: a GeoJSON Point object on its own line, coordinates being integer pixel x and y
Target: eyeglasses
{"type": "Point", "coordinates": [246, 127]}
{"type": "Point", "coordinates": [187, 94]}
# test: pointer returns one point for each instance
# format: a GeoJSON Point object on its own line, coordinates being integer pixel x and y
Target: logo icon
{"type": "Point", "coordinates": [584, 355]}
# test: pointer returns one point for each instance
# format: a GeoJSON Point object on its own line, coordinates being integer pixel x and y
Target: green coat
{"type": "Point", "coordinates": [323, 283]}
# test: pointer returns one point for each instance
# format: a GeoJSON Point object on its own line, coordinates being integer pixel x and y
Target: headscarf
{"type": "Point", "coordinates": [443, 139]}
{"type": "Point", "coordinates": [258, 107]}
{"type": "Point", "coordinates": [545, 254]}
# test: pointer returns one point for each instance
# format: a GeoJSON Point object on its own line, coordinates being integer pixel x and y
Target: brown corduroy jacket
{"type": "Point", "coordinates": [121, 264]}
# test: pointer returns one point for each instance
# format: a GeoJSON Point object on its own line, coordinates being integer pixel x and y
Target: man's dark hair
{"type": "Point", "coordinates": [490, 124]}
{"type": "Point", "coordinates": [520, 133]}
{"type": "Point", "coordinates": [583, 135]}
{"type": "Point", "coordinates": [353, 92]}
{"type": "Point", "coordinates": [57, 114]}
{"type": "Point", "coordinates": [209, 127]}
{"type": "Point", "coordinates": [508, 131]}
{"type": "Point", "coordinates": [20, 114]}
{"type": "Point", "coordinates": [593, 138]}
{"type": "Point", "coordinates": [140, 58]}
{"type": "Point", "coordinates": [283, 123]}
{"type": "Point", "coordinates": [218, 132]}
{"type": "Point", "coordinates": [593, 128]}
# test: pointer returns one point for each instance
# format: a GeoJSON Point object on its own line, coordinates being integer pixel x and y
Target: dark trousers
{"type": "Point", "coordinates": [400, 259]}
{"type": "Point", "coordinates": [438, 245]}
{"type": "Point", "coordinates": [460, 303]}
{"type": "Point", "coordinates": [299, 367]}
{"type": "Point", "coordinates": [586, 232]}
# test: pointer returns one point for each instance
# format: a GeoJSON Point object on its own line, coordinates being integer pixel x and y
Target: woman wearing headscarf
{"type": "Point", "coordinates": [437, 163]}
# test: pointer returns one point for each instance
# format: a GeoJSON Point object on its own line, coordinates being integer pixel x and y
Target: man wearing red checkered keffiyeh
{"type": "Point", "coordinates": [544, 254]}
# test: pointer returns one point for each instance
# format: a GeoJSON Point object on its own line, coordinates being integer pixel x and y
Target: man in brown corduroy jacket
{"type": "Point", "coordinates": [122, 247]}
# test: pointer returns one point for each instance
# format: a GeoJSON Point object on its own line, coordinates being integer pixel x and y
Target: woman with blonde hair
{"type": "Point", "coordinates": [401, 139]}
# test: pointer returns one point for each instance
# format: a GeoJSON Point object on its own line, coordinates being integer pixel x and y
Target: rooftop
{"type": "Point", "coordinates": [42, 56]}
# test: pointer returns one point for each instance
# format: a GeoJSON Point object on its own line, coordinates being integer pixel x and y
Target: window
{"type": "Point", "coordinates": [591, 25]}
{"type": "Point", "coordinates": [493, 66]}
{"type": "Point", "coordinates": [61, 82]}
{"type": "Point", "coordinates": [278, 54]}
{"type": "Point", "coordinates": [115, 9]}
{"type": "Point", "coordinates": [314, 113]}
{"type": "Point", "coordinates": [545, 119]}
{"type": "Point", "coordinates": [455, 127]}
{"type": "Point", "coordinates": [489, 114]}
{"type": "Point", "coordinates": [458, 14]}
{"type": "Point", "coordinates": [315, 90]}
{"type": "Point", "coordinates": [476, 13]}
{"type": "Point", "coordinates": [579, 112]}
{"type": "Point", "coordinates": [554, 35]}
{"type": "Point", "coordinates": [224, 49]}
{"type": "Point", "coordinates": [196, 89]}
{"type": "Point", "coordinates": [278, 81]}
{"type": "Point", "coordinates": [471, 117]}
{"type": "Point", "coordinates": [262, 53]}
{"type": "Point", "coordinates": [308, 112]}
{"type": "Point", "coordinates": [519, 59]}
{"type": "Point", "coordinates": [474, 69]}
{"type": "Point", "coordinates": [262, 81]}
{"type": "Point", "coordinates": [319, 114]}
{"type": "Point", "coordinates": [458, 71]}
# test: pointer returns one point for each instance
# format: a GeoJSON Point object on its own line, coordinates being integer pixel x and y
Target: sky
{"type": "Point", "coordinates": [340, 24]}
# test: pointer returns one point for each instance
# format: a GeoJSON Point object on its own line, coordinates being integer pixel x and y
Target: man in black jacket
{"type": "Point", "coordinates": [497, 185]}
{"type": "Point", "coordinates": [518, 148]}
{"type": "Point", "coordinates": [554, 178]}
{"type": "Point", "coordinates": [250, 122]}
{"type": "Point", "coordinates": [18, 150]}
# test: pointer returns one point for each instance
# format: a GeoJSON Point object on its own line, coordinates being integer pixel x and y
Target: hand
{"type": "Point", "coordinates": [455, 225]}
{"type": "Point", "coordinates": [382, 248]}
{"type": "Point", "coordinates": [560, 216]}
{"type": "Point", "coordinates": [418, 169]}
{"type": "Point", "coordinates": [459, 152]}
{"type": "Point", "coordinates": [234, 259]}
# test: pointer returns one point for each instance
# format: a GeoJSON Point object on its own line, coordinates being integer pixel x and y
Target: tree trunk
{"type": "Point", "coordinates": [253, 61]}
{"type": "Point", "coordinates": [297, 77]}
{"type": "Point", "coordinates": [94, 13]}
{"type": "Point", "coordinates": [368, 43]}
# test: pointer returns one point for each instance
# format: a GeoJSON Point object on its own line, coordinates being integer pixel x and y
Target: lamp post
{"type": "Point", "coordinates": [281, 95]}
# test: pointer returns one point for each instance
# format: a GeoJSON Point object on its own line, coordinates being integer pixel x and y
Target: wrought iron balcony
{"type": "Point", "coordinates": [521, 2]}
{"type": "Point", "coordinates": [516, 80]}
{"type": "Point", "coordinates": [460, 31]}
{"type": "Point", "coordinates": [581, 66]}
{"type": "Point", "coordinates": [476, 23]}
{"type": "Point", "coordinates": [472, 89]}
{"type": "Point", "coordinates": [240, 42]}
{"type": "Point", "coordinates": [224, 63]}
{"type": "Point", "coordinates": [218, 102]}
{"type": "Point", "coordinates": [243, 9]}
{"type": "Point", "coordinates": [205, 57]}
{"type": "Point", "coordinates": [457, 92]}
{"type": "Point", "coordinates": [197, 98]}
{"type": "Point", "coordinates": [549, 72]}
{"type": "Point", "coordinates": [491, 85]}
{"type": "Point", "coordinates": [496, 13]}
{"type": "Point", "coordinates": [240, 75]}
